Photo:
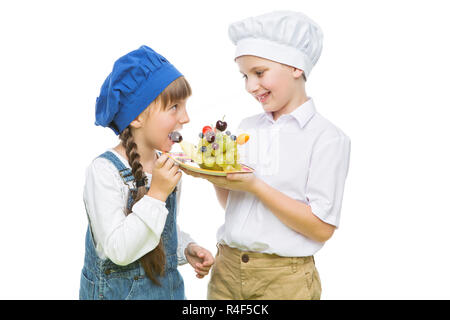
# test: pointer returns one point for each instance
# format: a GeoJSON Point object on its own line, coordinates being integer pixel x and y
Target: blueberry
{"type": "Point", "coordinates": [228, 133]}
{"type": "Point", "coordinates": [203, 149]}
{"type": "Point", "coordinates": [233, 137]}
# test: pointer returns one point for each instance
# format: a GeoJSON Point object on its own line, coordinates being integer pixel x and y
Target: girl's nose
{"type": "Point", "coordinates": [184, 117]}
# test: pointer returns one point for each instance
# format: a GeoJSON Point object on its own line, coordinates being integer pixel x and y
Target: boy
{"type": "Point", "coordinates": [277, 218]}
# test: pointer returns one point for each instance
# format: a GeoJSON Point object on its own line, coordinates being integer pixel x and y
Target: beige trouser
{"type": "Point", "coordinates": [242, 275]}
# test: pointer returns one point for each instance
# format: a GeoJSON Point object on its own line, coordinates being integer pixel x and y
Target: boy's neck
{"type": "Point", "coordinates": [293, 104]}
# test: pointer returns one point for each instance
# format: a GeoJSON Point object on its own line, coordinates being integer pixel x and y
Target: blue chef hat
{"type": "Point", "coordinates": [136, 80]}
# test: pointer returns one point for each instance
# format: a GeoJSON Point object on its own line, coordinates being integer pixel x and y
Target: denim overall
{"type": "Point", "coordinates": [102, 279]}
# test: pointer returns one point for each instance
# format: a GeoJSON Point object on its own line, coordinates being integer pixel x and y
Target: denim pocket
{"type": "Point", "coordinates": [119, 288]}
{"type": "Point", "coordinates": [87, 288]}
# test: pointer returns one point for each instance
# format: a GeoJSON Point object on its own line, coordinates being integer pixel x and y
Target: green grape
{"type": "Point", "coordinates": [229, 157]}
{"type": "Point", "coordinates": [228, 167]}
{"type": "Point", "coordinates": [220, 159]}
{"type": "Point", "coordinates": [209, 161]}
{"type": "Point", "coordinates": [199, 145]}
{"type": "Point", "coordinates": [221, 146]}
{"type": "Point", "coordinates": [230, 145]}
{"type": "Point", "coordinates": [202, 142]}
{"type": "Point", "coordinates": [208, 151]}
{"type": "Point", "coordinates": [198, 157]}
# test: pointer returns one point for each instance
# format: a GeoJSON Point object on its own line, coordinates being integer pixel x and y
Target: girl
{"type": "Point", "coordinates": [277, 218]}
{"type": "Point", "coordinates": [133, 244]}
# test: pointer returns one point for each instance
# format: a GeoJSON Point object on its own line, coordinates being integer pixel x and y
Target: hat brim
{"type": "Point", "coordinates": [273, 51]}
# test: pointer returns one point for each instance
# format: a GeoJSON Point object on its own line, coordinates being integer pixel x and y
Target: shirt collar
{"type": "Point", "coordinates": [302, 114]}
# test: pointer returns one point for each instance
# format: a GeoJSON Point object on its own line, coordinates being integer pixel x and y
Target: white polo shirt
{"type": "Point", "coordinates": [303, 155]}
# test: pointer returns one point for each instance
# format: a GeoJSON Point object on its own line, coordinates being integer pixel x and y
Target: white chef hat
{"type": "Point", "coordinates": [286, 37]}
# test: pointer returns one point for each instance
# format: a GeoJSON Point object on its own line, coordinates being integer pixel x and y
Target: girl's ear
{"type": "Point", "coordinates": [136, 123]}
{"type": "Point", "coordinates": [140, 119]}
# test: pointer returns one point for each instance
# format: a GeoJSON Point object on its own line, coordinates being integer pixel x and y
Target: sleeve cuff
{"type": "Point", "coordinates": [184, 240]}
{"type": "Point", "coordinates": [153, 200]}
{"type": "Point", "coordinates": [322, 215]}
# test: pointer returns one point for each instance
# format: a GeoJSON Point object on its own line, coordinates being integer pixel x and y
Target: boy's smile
{"type": "Point", "coordinates": [262, 98]}
{"type": "Point", "coordinates": [278, 87]}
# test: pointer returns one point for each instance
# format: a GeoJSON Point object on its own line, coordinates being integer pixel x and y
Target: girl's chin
{"type": "Point", "coordinates": [166, 147]}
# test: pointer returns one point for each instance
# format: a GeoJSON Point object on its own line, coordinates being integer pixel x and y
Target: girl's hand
{"type": "Point", "coordinates": [199, 258]}
{"type": "Point", "coordinates": [233, 181]}
{"type": "Point", "coordinates": [165, 176]}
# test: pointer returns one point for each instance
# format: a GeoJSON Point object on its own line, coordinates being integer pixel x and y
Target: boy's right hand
{"type": "Point", "coordinates": [165, 176]}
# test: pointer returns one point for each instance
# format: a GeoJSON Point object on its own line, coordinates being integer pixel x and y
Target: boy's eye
{"type": "Point", "coordinates": [174, 107]}
{"type": "Point", "coordinates": [244, 76]}
{"type": "Point", "coordinates": [259, 73]}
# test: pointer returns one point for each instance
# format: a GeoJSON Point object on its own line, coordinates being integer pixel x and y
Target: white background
{"type": "Point", "coordinates": [383, 78]}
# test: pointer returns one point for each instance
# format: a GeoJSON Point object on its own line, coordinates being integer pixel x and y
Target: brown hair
{"type": "Point", "coordinates": [153, 262]}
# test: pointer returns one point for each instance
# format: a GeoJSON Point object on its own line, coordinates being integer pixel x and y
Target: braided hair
{"type": "Point", "coordinates": [153, 262]}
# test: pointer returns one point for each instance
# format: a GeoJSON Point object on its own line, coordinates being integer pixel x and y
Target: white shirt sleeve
{"type": "Point", "coordinates": [123, 239]}
{"type": "Point", "coordinates": [183, 238]}
{"type": "Point", "coordinates": [327, 173]}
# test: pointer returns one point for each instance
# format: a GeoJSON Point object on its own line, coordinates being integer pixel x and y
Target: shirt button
{"type": "Point", "coordinates": [108, 271]}
{"type": "Point", "coordinates": [136, 278]}
{"type": "Point", "coordinates": [245, 258]}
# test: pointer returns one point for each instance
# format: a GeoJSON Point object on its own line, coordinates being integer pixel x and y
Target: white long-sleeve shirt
{"type": "Point", "coordinates": [124, 238]}
{"type": "Point", "coordinates": [301, 154]}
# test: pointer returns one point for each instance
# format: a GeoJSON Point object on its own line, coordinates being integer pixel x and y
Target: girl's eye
{"type": "Point", "coordinates": [174, 107]}
{"type": "Point", "coordinates": [259, 73]}
{"type": "Point", "coordinates": [244, 76]}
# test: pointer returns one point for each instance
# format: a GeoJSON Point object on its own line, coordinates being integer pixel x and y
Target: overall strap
{"type": "Point", "coordinates": [124, 172]}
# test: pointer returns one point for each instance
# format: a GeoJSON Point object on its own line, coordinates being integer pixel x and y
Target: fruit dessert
{"type": "Point", "coordinates": [216, 148]}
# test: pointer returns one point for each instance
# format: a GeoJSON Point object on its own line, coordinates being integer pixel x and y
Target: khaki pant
{"type": "Point", "coordinates": [242, 275]}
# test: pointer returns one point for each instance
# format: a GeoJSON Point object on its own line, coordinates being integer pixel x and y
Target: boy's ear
{"type": "Point", "coordinates": [297, 73]}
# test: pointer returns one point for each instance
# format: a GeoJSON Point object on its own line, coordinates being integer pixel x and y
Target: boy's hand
{"type": "Point", "coordinates": [199, 258]}
{"type": "Point", "coordinates": [233, 181]}
{"type": "Point", "coordinates": [165, 176]}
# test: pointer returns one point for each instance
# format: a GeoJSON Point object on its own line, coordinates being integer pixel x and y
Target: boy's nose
{"type": "Point", "coordinates": [252, 86]}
